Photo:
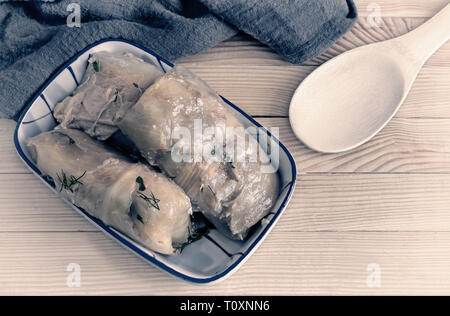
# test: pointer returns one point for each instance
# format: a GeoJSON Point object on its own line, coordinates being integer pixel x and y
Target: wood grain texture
{"type": "Point", "coordinates": [286, 263]}
{"type": "Point", "coordinates": [369, 202]}
{"type": "Point", "coordinates": [267, 90]}
{"type": "Point", "coordinates": [403, 146]}
{"type": "Point", "coordinates": [244, 50]}
{"type": "Point", "coordinates": [401, 8]}
{"type": "Point", "coordinates": [255, 78]}
{"type": "Point", "coordinates": [9, 159]}
{"type": "Point", "coordinates": [321, 202]}
{"type": "Point", "coordinates": [366, 32]}
{"type": "Point", "coordinates": [386, 202]}
{"type": "Point", "coordinates": [27, 204]}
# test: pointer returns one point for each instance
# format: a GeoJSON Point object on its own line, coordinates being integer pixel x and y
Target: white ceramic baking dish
{"type": "Point", "coordinates": [212, 258]}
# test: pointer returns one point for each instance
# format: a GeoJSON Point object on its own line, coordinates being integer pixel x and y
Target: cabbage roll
{"type": "Point", "coordinates": [112, 81]}
{"type": "Point", "coordinates": [130, 197]}
{"type": "Point", "coordinates": [232, 192]}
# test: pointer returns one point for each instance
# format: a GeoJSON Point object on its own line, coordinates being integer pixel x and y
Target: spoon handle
{"type": "Point", "coordinates": [426, 39]}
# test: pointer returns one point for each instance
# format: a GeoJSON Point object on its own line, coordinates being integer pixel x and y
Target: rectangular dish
{"type": "Point", "coordinates": [210, 259]}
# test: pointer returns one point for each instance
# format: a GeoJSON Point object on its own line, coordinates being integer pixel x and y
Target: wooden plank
{"type": "Point", "coordinates": [286, 263]}
{"type": "Point", "coordinates": [338, 202]}
{"type": "Point", "coordinates": [401, 8]}
{"type": "Point", "coordinates": [257, 80]}
{"type": "Point", "coordinates": [369, 202]}
{"type": "Point", "coordinates": [10, 161]}
{"type": "Point", "coordinates": [267, 90]}
{"type": "Point", "coordinates": [429, 95]}
{"type": "Point", "coordinates": [243, 50]}
{"type": "Point", "coordinates": [404, 145]}
{"type": "Point", "coordinates": [258, 90]}
{"type": "Point", "coordinates": [27, 204]}
{"type": "Point", "coordinates": [366, 32]}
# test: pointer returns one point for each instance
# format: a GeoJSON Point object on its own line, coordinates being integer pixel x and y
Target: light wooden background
{"type": "Point", "coordinates": [387, 202]}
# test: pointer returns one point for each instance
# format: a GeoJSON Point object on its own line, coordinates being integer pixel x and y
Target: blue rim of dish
{"type": "Point", "coordinates": [113, 233]}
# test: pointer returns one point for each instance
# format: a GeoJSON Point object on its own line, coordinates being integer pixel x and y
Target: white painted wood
{"type": "Point", "coordinates": [244, 51]}
{"type": "Point", "coordinates": [404, 146]}
{"type": "Point", "coordinates": [400, 8]}
{"type": "Point", "coordinates": [349, 99]}
{"type": "Point", "coordinates": [287, 263]}
{"type": "Point", "coordinates": [267, 90]}
{"type": "Point", "coordinates": [321, 202]}
{"type": "Point", "coordinates": [8, 155]}
{"type": "Point", "coordinates": [425, 40]}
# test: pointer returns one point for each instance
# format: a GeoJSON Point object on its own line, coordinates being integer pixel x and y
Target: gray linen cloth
{"type": "Point", "coordinates": [35, 39]}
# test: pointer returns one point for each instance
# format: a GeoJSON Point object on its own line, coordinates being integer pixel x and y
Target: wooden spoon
{"type": "Point", "coordinates": [350, 98]}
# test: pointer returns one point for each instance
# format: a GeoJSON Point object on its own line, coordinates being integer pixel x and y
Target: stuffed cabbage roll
{"type": "Point", "coordinates": [232, 192]}
{"type": "Point", "coordinates": [112, 81]}
{"type": "Point", "coordinates": [130, 197]}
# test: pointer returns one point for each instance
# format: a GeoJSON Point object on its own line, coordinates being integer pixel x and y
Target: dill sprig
{"type": "Point", "coordinates": [152, 200]}
{"type": "Point", "coordinates": [138, 87]}
{"type": "Point", "coordinates": [68, 182]}
{"type": "Point", "coordinates": [212, 190]}
{"type": "Point", "coordinates": [116, 94]}
{"type": "Point", "coordinates": [96, 66]}
{"type": "Point", "coordinates": [229, 160]}
{"type": "Point", "coordinates": [140, 181]}
{"type": "Point", "coordinates": [193, 237]}
{"type": "Point", "coordinates": [139, 218]}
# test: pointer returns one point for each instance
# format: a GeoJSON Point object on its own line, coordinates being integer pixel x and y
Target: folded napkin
{"type": "Point", "coordinates": [35, 39]}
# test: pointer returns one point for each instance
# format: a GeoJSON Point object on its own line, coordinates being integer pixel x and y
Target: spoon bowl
{"type": "Point", "coordinates": [349, 99]}
{"type": "Point", "coordinates": [329, 110]}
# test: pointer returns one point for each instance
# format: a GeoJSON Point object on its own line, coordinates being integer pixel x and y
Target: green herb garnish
{"type": "Point", "coordinates": [152, 201]}
{"type": "Point", "coordinates": [193, 237]}
{"type": "Point", "coordinates": [211, 190]}
{"type": "Point", "coordinates": [68, 182]}
{"type": "Point", "coordinates": [96, 66]}
{"type": "Point", "coordinates": [140, 181]}
{"type": "Point", "coordinates": [139, 218]}
{"type": "Point", "coordinates": [137, 87]}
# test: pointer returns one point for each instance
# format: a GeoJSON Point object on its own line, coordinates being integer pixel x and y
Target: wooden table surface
{"type": "Point", "coordinates": [375, 220]}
